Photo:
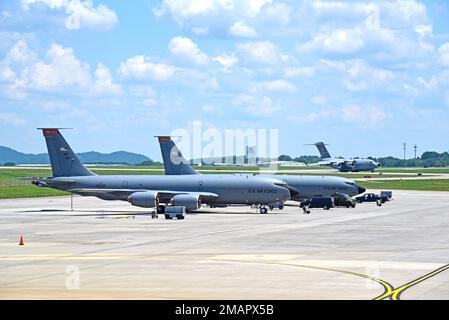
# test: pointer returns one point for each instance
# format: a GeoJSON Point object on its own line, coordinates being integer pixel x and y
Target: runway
{"type": "Point", "coordinates": [111, 250]}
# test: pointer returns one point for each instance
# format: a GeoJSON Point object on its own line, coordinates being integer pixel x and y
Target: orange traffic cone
{"type": "Point", "coordinates": [21, 242]}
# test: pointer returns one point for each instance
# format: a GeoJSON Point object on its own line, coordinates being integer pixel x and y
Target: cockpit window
{"type": "Point", "coordinates": [281, 184]}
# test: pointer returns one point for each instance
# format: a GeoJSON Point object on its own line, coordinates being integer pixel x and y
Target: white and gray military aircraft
{"type": "Point", "coordinates": [307, 186]}
{"type": "Point", "coordinates": [343, 165]}
{"type": "Point", "coordinates": [157, 191]}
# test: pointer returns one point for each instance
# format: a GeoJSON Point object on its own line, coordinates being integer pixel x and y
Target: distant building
{"type": "Point", "coordinates": [250, 155]}
{"type": "Point", "coordinates": [282, 163]}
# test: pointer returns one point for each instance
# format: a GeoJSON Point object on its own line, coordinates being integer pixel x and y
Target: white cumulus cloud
{"type": "Point", "coordinates": [59, 71]}
{"type": "Point", "coordinates": [260, 52]}
{"type": "Point", "coordinates": [337, 41]}
{"type": "Point", "coordinates": [226, 60]}
{"type": "Point", "coordinates": [142, 68]}
{"type": "Point", "coordinates": [185, 48]}
{"type": "Point", "coordinates": [240, 29]}
{"type": "Point", "coordinates": [80, 14]}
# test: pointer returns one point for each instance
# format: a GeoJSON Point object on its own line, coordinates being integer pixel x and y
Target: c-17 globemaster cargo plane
{"type": "Point", "coordinates": [344, 165]}
{"type": "Point", "coordinates": [153, 191]}
{"type": "Point", "coordinates": [306, 186]}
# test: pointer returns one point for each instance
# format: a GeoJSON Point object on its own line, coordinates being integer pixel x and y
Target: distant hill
{"type": "Point", "coordinates": [119, 157]}
{"type": "Point", "coordinates": [11, 155]}
{"type": "Point", "coordinates": [114, 157]}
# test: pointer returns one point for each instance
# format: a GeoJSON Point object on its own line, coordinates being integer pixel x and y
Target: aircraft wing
{"type": "Point", "coordinates": [123, 194]}
{"type": "Point", "coordinates": [338, 162]}
{"type": "Point", "coordinates": [321, 164]}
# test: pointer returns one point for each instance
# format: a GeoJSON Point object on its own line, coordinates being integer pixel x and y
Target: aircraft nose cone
{"type": "Point", "coordinates": [287, 195]}
{"type": "Point", "coordinates": [360, 189]}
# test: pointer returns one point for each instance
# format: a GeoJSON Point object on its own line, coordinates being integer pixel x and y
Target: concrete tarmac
{"type": "Point", "coordinates": [111, 250]}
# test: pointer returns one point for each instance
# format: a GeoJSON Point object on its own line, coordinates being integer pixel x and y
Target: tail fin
{"type": "Point", "coordinates": [322, 150]}
{"type": "Point", "coordinates": [174, 162]}
{"type": "Point", "coordinates": [64, 162]}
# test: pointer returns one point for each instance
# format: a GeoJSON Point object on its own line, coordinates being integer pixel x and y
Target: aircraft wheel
{"type": "Point", "coordinates": [263, 210]}
{"type": "Point", "coordinates": [154, 215]}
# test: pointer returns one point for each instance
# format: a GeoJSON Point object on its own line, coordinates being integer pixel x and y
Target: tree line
{"type": "Point", "coordinates": [427, 159]}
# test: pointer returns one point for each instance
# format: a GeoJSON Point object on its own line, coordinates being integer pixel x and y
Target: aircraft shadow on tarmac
{"type": "Point", "coordinates": [100, 213]}
{"type": "Point", "coordinates": [89, 212]}
{"type": "Point", "coordinates": [229, 213]}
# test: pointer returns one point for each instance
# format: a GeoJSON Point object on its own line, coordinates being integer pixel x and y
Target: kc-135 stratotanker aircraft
{"type": "Point", "coordinates": [308, 186]}
{"type": "Point", "coordinates": [157, 191]}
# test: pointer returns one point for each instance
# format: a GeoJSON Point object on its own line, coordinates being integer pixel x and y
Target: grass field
{"type": "Point", "coordinates": [15, 183]}
{"type": "Point", "coordinates": [421, 184]}
{"type": "Point", "coordinates": [29, 191]}
{"type": "Point", "coordinates": [415, 170]}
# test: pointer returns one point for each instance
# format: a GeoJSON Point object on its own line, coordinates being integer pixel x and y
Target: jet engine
{"type": "Point", "coordinates": [346, 166]}
{"type": "Point", "coordinates": [145, 199]}
{"type": "Point", "coordinates": [189, 201]}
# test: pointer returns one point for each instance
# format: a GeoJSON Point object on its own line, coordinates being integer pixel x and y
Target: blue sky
{"type": "Point", "coordinates": [362, 76]}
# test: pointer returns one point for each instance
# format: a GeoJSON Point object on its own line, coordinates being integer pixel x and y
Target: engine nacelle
{"type": "Point", "coordinates": [189, 201]}
{"type": "Point", "coordinates": [144, 199]}
{"type": "Point", "coordinates": [346, 166]}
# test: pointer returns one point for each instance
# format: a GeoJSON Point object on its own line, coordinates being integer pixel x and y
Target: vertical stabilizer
{"type": "Point", "coordinates": [174, 162]}
{"type": "Point", "coordinates": [322, 150]}
{"type": "Point", "coordinates": [64, 162]}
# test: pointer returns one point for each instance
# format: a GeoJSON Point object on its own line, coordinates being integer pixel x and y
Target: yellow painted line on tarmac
{"type": "Point", "coordinates": [388, 288]}
{"type": "Point", "coordinates": [396, 293]}
{"type": "Point", "coordinates": [123, 217]}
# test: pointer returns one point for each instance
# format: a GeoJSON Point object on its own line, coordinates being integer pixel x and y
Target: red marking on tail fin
{"type": "Point", "coordinates": [50, 132]}
{"type": "Point", "coordinates": [164, 139]}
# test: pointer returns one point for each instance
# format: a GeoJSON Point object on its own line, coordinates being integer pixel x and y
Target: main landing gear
{"type": "Point", "coordinates": [263, 210]}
